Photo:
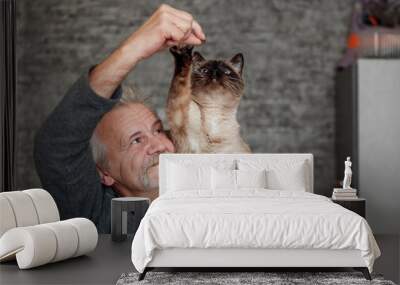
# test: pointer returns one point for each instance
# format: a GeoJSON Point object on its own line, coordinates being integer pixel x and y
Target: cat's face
{"type": "Point", "coordinates": [217, 75]}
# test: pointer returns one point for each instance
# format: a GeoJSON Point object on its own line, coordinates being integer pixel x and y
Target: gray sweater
{"type": "Point", "coordinates": [63, 156]}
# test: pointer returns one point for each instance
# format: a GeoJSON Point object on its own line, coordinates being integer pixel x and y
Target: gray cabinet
{"type": "Point", "coordinates": [367, 108]}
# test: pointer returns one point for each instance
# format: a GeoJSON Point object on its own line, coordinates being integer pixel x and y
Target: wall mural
{"type": "Point", "coordinates": [274, 61]}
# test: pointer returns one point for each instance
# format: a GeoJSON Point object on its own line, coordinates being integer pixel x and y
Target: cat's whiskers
{"type": "Point", "coordinates": [233, 86]}
{"type": "Point", "coordinates": [234, 78]}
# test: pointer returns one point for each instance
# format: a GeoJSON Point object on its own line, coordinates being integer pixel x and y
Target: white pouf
{"type": "Point", "coordinates": [40, 244]}
{"type": "Point", "coordinates": [31, 230]}
{"type": "Point", "coordinates": [7, 220]}
{"type": "Point", "coordinates": [45, 205]}
{"type": "Point", "coordinates": [23, 208]}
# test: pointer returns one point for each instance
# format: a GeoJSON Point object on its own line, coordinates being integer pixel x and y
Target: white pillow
{"type": "Point", "coordinates": [181, 178]}
{"type": "Point", "coordinates": [223, 179]}
{"type": "Point", "coordinates": [230, 180]}
{"type": "Point", "coordinates": [251, 178]}
{"type": "Point", "coordinates": [288, 178]}
{"type": "Point", "coordinates": [281, 174]}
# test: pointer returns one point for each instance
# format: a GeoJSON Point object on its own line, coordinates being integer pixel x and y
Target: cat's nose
{"type": "Point", "coordinates": [216, 73]}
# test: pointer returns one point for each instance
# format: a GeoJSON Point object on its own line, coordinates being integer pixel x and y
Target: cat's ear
{"type": "Point", "coordinates": [197, 57]}
{"type": "Point", "coordinates": [237, 62]}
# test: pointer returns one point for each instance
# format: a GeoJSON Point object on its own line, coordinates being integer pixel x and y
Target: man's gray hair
{"type": "Point", "coordinates": [131, 95]}
{"type": "Point", "coordinates": [99, 149]}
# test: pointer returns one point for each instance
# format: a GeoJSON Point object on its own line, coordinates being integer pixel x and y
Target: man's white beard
{"type": "Point", "coordinates": [147, 183]}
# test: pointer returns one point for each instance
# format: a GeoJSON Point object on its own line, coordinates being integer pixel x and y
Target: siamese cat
{"type": "Point", "coordinates": [202, 104]}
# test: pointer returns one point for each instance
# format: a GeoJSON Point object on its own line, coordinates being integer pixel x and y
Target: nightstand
{"type": "Point", "coordinates": [126, 214]}
{"type": "Point", "coordinates": [355, 205]}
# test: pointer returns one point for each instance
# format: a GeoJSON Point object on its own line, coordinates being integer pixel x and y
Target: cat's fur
{"type": "Point", "coordinates": [202, 103]}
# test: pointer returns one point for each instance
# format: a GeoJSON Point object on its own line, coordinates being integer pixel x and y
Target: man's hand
{"type": "Point", "coordinates": [166, 27]}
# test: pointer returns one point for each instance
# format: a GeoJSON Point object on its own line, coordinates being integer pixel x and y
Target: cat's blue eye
{"type": "Point", "coordinates": [204, 70]}
{"type": "Point", "coordinates": [227, 71]}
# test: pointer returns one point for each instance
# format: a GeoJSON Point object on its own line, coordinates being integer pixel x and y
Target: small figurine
{"type": "Point", "coordinates": [347, 174]}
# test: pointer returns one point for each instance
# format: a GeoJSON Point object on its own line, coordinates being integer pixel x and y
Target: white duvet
{"type": "Point", "coordinates": [252, 218]}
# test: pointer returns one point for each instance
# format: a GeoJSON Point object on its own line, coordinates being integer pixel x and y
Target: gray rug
{"type": "Point", "coordinates": [230, 278]}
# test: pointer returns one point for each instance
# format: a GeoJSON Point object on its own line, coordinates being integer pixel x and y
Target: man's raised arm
{"type": "Point", "coordinates": [166, 27]}
{"type": "Point", "coordinates": [62, 145]}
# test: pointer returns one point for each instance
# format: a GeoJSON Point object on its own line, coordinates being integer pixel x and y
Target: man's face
{"type": "Point", "coordinates": [134, 138]}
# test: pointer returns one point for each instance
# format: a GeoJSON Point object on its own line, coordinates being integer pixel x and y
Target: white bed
{"type": "Point", "coordinates": [201, 223]}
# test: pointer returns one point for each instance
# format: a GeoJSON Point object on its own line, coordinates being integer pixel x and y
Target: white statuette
{"type": "Point", "coordinates": [347, 174]}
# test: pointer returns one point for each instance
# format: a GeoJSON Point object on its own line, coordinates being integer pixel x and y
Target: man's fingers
{"type": "Point", "coordinates": [173, 33]}
{"type": "Point", "coordinates": [180, 13]}
{"type": "Point", "coordinates": [191, 40]}
{"type": "Point", "coordinates": [184, 25]}
{"type": "Point", "coordinates": [182, 16]}
{"type": "Point", "coordinates": [198, 31]}
{"type": "Point", "coordinates": [178, 31]}
{"type": "Point", "coordinates": [171, 43]}
{"type": "Point", "coordinates": [187, 26]}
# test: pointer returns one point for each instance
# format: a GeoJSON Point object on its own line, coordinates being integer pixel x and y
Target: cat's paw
{"type": "Point", "coordinates": [184, 52]}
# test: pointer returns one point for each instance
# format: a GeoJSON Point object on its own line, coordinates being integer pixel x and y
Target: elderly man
{"type": "Point", "coordinates": [93, 146]}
